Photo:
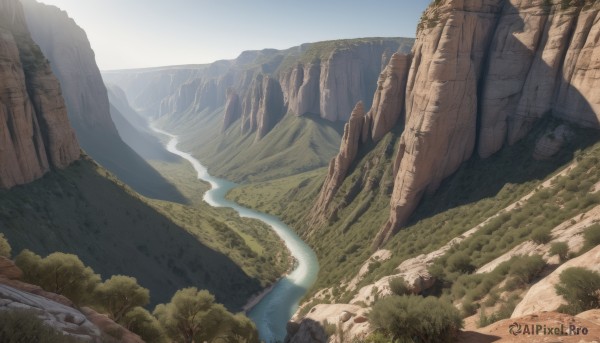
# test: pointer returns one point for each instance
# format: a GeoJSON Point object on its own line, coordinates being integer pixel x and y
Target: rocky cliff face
{"type": "Point", "coordinates": [233, 109]}
{"type": "Point", "coordinates": [35, 133]}
{"type": "Point", "coordinates": [332, 85]}
{"type": "Point", "coordinates": [482, 73]}
{"type": "Point", "coordinates": [262, 107]}
{"type": "Point", "coordinates": [325, 78]}
{"type": "Point", "coordinates": [72, 60]}
{"type": "Point", "coordinates": [66, 46]}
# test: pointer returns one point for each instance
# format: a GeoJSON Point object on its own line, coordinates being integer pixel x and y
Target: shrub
{"type": "Point", "coordinates": [141, 322]}
{"type": "Point", "coordinates": [4, 246]}
{"type": "Point", "coordinates": [119, 295]}
{"type": "Point", "coordinates": [581, 289]}
{"type": "Point", "coordinates": [460, 262]}
{"type": "Point", "coordinates": [193, 315]}
{"type": "Point", "coordinates": [591, 237]}
{"type": "Point", "coordinates": [399, 287]}
{"type": "Point", "coordinates": [561, 249]}
{"type": "Point", "coordinates": [541, 235]}
{"type": "Point", "coordinates": [59, 273]}
{"type": "Point", "coordinates": [408, 317]}
{"type": "Point", "coordinates": [468, 307]}
{"type": "Point", "coordinates": [20, 326]}
{"type": "Point", "coordinates": [526, 268]}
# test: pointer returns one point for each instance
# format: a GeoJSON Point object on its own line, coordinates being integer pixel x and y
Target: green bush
{"type": "Point", "coordinates": [21, 326]}
{"type": "Point", "coordinates": [581, 289]}
{"type": "Point", "coordinates": [193, 315]}
{"type": "Point", "coordinates": [505, 311]}
{"type": "Point", "coordinates": [526, 268]}
{"type": "Point", "coordinates": [460, 262]}
{"type": "Point", "coordinates": [141, 322]}
{"type": "Point", "coordinates": [119, 295]}
{"type": "Point", "coordinates": [591, 237]}
{"type": "Point", "coordinates": [561, 249]}
{"type": "Point", "coordinates": [4, 246]}
{"type": "Point", "coordinates": [398, 286]}
{"type": "Point", "coordinates": [541, 235]}
{"type": "Point", "coordinates": [468, 307]}
{"type": "Point", "coordinates": [407, 318]}
{"type": "Point", "coordinates": [59, 273]}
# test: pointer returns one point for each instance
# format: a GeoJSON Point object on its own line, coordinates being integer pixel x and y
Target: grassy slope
{"type": "Point", "coordinates": [84, 210]}
{"type": "Point", "coordinates": [295, 145]}
{"type": "Point", "coordinates": [478, 190]}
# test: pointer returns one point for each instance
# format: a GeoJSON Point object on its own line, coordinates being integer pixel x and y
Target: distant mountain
{"type": "Point", "coordinates": [227, 110]}
{"type": "Point", "coordinates": [67, 48]}
{"type": "Point", "coordinates": [134, 129]}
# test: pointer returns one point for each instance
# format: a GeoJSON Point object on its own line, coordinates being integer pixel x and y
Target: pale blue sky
{"type": "Point", "coordinates": [143, 33]}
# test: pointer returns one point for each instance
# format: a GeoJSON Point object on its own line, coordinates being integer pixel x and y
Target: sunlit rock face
{"type": "Point", "coordinates": [35, 134]}
{"type": "Point", "coordinates": [480, 76]}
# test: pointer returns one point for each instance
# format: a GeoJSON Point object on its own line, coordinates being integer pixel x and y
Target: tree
{"type": "Point", "coordinates": [416, 319]}
{"type": "Point", "coordinates": [120, 294]}
{"type": "Point", "coordinates": [4, 246]}
{"type": "Point", "coordinates": [141, 322]}
{"type": "Point", "coordinates": [59, 273]}
{"type": "Point", "coordinates": [184, 318]}
{"type": "Point", "coordinates": [581, 289]}
{"type": "Point", "coordinates": [193, 316]}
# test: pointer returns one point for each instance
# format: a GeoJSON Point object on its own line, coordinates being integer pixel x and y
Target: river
{"type": "Point", "coordinates": [275, 309]}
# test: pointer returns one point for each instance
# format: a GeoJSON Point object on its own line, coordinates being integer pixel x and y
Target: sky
{"type": "Point", "coordinates": [148, 33]}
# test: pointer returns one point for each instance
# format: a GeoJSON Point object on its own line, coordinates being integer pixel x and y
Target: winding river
{"type": "Point", "coordinates": [273, 311]}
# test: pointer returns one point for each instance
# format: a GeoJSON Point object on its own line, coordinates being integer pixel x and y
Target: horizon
{"type": "Point", "coordinates": [161, 34]}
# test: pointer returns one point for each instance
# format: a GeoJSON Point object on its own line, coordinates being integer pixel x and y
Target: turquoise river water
{"type": "Point", "coordinates": [274, 310]}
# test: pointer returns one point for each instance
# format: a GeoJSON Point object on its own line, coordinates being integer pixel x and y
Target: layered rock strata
{"type": "Point", "coordinates": [482, 74]}
{"type": "Point", "coordinates": [35, 134]}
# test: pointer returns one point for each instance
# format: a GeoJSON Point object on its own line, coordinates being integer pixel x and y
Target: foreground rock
{"type": "Point", "coordinates": [542, 296]}
{"type": "Point", "coordinates": [62, 318]}
{"type": "Point", "coordinates": [346, 322]}
{"type": "Point", "coordinates": [56, 310]}
{"type": "Point", "coordinates": [500, 331]}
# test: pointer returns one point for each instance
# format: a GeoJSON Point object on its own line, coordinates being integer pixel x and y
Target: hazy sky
{"type": "Point", "coordinates": [143, 33]}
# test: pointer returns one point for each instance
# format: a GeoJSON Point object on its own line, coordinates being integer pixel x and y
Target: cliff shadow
{"type": "Point", "coordinates": [82, 212]}
{"type": "Point", "coordinates": [116, 156]}
{"type": "Point", "coordinates": [479, 178]}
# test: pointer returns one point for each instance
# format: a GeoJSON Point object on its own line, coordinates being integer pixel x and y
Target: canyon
{"type": "Point", "coordinates": [392, 158]}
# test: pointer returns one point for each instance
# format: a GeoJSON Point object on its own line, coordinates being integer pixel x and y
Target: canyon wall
{"type": "Point", "coordinates": [35, 134]}
{"type": "Point", "coordinates": [324, 78]}
{"type": "Point", "coordinates": [482, 73]}
{"type": "Point", "coordinates": [73, 61]}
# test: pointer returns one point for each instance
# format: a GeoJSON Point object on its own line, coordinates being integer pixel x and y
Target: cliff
{"type": "Point", "coordinates": [66, 46]}
{"type": "Point", "coordinates": [335, 76]}
{"type": "Point", "coordinates": [481, 76]}
{"type": "Point", "coordinates": [262, 107]}
{"type": "Point", "coordinates": [324, 78]}
{"type": "Point", "coordinates": [35, 134]}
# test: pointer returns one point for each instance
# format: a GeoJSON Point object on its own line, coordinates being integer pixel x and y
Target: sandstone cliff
{"type": "Point", "coordinates": [325, 78]}
{"type": "Point", "coordinates": [262, 107]}
{"type": "Point", "coordinates": [232, 109]}
{"type": "Point", "coordinates": [334, 81]}
{"type": "Point", "coordinates": [481, 74]}
{"type": "Point", "coordinates": [35, 134]}
{"type": "Point", "coordinates": [66, 46]}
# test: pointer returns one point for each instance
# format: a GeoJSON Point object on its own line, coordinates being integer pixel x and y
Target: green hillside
{"type": "Point", "coordinates": [86, 211]}
{"type": "Point", "coordinates": [476, 192]}
{"type": "Point", "coordinates": [295, 145]}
